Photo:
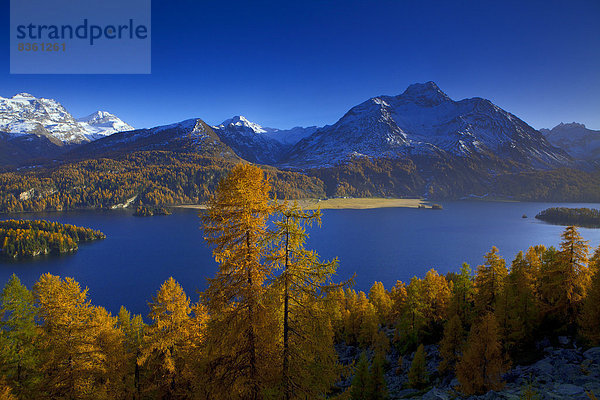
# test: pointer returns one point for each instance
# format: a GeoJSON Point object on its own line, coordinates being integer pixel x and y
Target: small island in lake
{"type": "Point", "coordinates": [584, 217]}
{"type": "Point", "coordinates": [147, 211]}
{"type": "Point", "coordinates": [25, 239]}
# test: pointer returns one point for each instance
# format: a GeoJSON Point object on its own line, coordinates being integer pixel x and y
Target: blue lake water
{"type": "Point", "coordinates": [385, 245]}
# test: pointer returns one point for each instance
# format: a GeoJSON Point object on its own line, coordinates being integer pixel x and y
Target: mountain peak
{"type": "Point", "coordinates": [241, 121]}
{"type": "Point", "coordinates": [427, 94]}
{"type": "Point", "coordinates": [570, 125]}
{"type": "Point", "coordinates": [23, 95]}
{"type": "Point", "coordinates": [102, 123]}
{"type": "Point", "coordinates": [97, 117]}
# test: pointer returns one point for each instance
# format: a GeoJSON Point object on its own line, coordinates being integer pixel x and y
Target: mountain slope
{"type": "Point", "coordinates": [191, 136]}
{"type": "Point", "coordinates": [581, 143]}
{"type": "Point", "coordinates": [424, 121]}
{"type": "Point", "coordinates": [16, 150]}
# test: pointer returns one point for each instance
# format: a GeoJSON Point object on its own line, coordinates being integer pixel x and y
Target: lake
{"type": "Point", "coordinates": [384, 245]}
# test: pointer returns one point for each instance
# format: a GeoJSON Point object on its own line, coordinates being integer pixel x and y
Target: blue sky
{"type": "Point", "coordinates": [287, 63]}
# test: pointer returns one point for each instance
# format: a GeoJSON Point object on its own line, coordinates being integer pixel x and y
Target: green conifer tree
{"type": "Point", "coordinates": [417, 375]}
{"type": "Point", "coordinates": [360, 381]}
{"type": "Point", "coordinates": [18, 355]}
{"type": "Point", "coordinates": [377, 386]}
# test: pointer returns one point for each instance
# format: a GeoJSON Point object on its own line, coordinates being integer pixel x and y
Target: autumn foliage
{"type": "Point", "coordinates": [267, 324]}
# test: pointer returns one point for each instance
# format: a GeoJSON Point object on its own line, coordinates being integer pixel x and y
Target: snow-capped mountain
{"type": "Point", "coordinates": [580, 142]}
{"type": "Point", "coordinates": [103, 123]}
{"type": "Point", "coordinates": [250, 140]}
{"type": "Point", "coordinates": [26, 114]}
{"type": "Point", "coordinates": [259, 144]}
{"type": "Point", "coordinates": [424, 121]}
{"type": "Point", "coordinates": [191, 136]}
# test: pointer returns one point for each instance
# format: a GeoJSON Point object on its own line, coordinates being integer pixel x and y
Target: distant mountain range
{"type": "Point", "coordinates": [581, 143]}
{"type": "Point", "coordinates": [420, 142]}
{"type": "Point", "coordinates": [421, 122]}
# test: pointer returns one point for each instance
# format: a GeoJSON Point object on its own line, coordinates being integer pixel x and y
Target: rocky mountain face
{"type": "Point", "coordinates": [25, 114]}
{"type": "Point", "coordinates": [250, 140]}
{"type": "Point", "coordinates": [578, 141]}
{"type": "Point", "coordinates": [424, 121]}
{"type": "Point", "coordinates": [259, 144]}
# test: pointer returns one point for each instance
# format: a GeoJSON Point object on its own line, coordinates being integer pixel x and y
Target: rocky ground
{"type": "Point", "coordinates": [565, 372]}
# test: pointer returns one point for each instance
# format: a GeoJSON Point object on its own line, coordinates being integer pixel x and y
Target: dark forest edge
{"type": "Point", "coordinates": [146, 211]}
{"type": "Point", "coordinates": [166, 178]}
{"type": "Point", "coordinates": [270, 321]}
{"type": "Point", "coordinates": [584, 217]}
{"type": "Point", "coordinates": [27, 239]}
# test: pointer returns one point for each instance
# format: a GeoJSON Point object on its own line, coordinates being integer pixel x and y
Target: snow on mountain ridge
{"type": "Point", "coordinates": [26, 114]}
{"type": "Point", "coordinates": [242, 122]}
{"type": "Point", "coordinates": [103, 123]}
{"type": "Point", "coordinates": [424, 120]}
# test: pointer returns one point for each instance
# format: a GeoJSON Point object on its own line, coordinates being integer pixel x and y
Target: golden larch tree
{"type": "Point", "coordinates": [308, 358]}
{"type": "Point", "coordinates": [451, 344]}
{"type": "Point", "coordinates": [565, 279]}
{"type": "Point", "coordinates": [482, 364]}
{"type": "Point", "coordinates": [73, 363]}
{"type": "Point", "coordinates": [240, 340]}
{"type": "Point", "coordinates": [589, 321]}
{"type": "Point", "coordinates": [489, 281]}
{"type": "Point", "coordinates": [168, 342]}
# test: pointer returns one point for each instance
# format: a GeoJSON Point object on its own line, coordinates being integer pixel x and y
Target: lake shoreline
{"type": "Point", "coordinates": [343, 204]}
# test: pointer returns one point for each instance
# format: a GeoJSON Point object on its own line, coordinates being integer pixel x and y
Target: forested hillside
{"type": "Point", "coordinates": [274, 324]}
{"type": "Point", "coordinates": [163, 178]}
{"type": "Point", "coordinates": [153, 178]}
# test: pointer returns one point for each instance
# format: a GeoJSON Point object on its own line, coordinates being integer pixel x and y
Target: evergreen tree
{"type": "Point", "coordinates": [436, 299]}
{"type": "Point", "coordinates": [377, 386]}
{"type": "Point", "coordinates": [73, 364]}
{"type": "Point", "coordinates": [5, 390]}
{"type": "Point", "coordinates": [133, 329]}
{"type": "Point", "coordinates": [590, 316]}
{"type": "Point", "coordinates": [382, 302]}
{"type": "Point", "coordinates": [398, 295]}
{"type": "Point", "coordinates": [109, 340]}
{"type": "Point", "coordinates": [517, 310]}
{"type": "Point", "coordinates": [489, 281]}
{"type": "Point", "coordinates": [412, 319]}
{"type": "Point", "coordinates": [241, 348]}
{"type": "Point", "coordinates": [451, 344]}
{"type": "Point", "coordinates": [481, 367]}
{"type": "Point", "coordinates": [565, 278]}
{"type": "Point", "coordinates": [360, 381]}
{"type": "Point", "coordinates": [462, 301]}
{"type": "Point", "coordinates": [18, 356]}
{"type": "Point", "coordinates": [417, 375]}
{"type": "Point", "coordinates": [167, 342]}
